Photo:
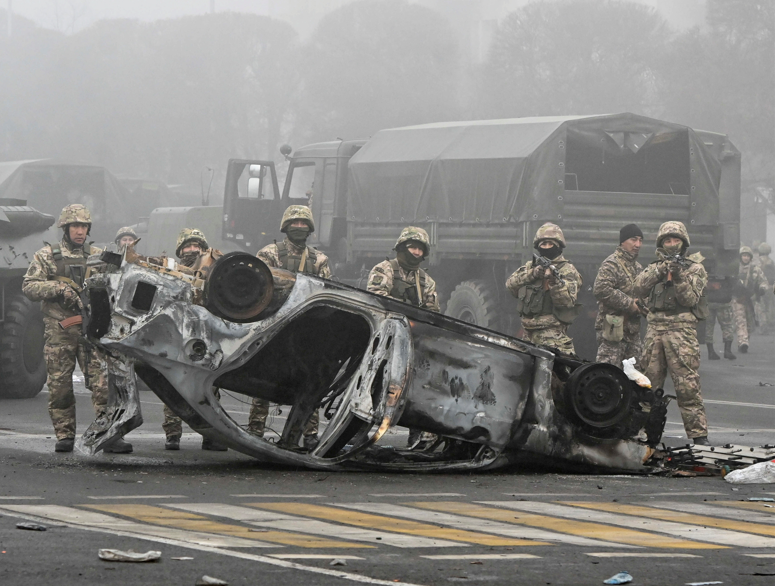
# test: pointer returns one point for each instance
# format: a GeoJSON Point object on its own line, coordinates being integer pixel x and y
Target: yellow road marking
{"type": "Point", "coordinates": [680, 517]}
{"type": "Point", "coordinates": [360, 519]}
{"type": "Point", "coordinates": [760, 506]}
{"type": "Point", "coordinates": [190, 521]}
{"type": "Point", "coordinates": [578, 528]}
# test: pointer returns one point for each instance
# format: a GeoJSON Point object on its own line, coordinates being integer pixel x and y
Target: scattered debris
{"type": "Point", "coordinates": [338, 562]}
{"type": "Point", "coordinates": [116, 555]}
{"type": "Point", "coordinates": [210, 581]}
{"type": "Point", "coordinates": [182, 559]}
{"type": "Point", "coordinates": [715, 460]}
{"type": "Point", "coordinates": [477, 563]}
{"type": "Point", "coordinates": [761, 384]}
{"type": "Point", "coordinates": [761, 473]}
{"type": "Point", "coordinates": [702, 583]}
{"type": "Point", "coordinates": [620, 578]}
{"type": "Point", "coordinates": [258, 530]}
{"type": "Point", "coordinates": [761, 499]}
{"type": "Point", "coordinates": [31, 527]}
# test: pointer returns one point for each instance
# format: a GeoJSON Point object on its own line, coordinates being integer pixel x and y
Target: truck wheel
{"type": "Point", "coordinates": [22, 367]}
{"type": "Point", "coordinates": [473, 302]}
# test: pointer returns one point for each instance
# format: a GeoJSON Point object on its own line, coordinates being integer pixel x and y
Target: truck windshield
{"type": "Point", "coordinates": [301, 178]}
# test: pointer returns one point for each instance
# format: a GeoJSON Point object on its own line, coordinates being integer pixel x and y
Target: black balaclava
{"type": "Point", "coordinates": [550, 253]}
{"type": "Point", "coordinates": [297, 235]}
{"type": "Point", "coordinates": [406, 260]}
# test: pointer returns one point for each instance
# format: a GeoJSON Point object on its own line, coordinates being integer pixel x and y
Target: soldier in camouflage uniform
{"type": "Point", "coordinates": [292, 254]}
{"type": "Point", "coordinates": [55, 277]}
{"type": "Point", "coordinates": [767, 302]}
{"type": "Point", "coordinates": [190, 245]}
{"type": "Point", "coordinates": [676, 304]}
{"type": "Point", "coordinates": [546, 304]}
{"type": "Point", "coordinates": [619, 311]}
{"type": "Point", "coordinates": [402, 278]}
{"type": "Point", "coordinates": [719, 296]}
{"type": "Point", "coordinates": [751, 284]}
{"type": "Point", "coordinates": [124, 237]}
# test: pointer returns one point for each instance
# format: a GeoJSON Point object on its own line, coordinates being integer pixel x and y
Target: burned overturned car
{"type": "Point", "coordinates": [371, 365]}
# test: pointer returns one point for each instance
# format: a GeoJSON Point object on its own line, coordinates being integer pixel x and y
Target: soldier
{"type": "Point", "coordinates": [295, 255]}
{"type": "Point", "coordinates": [124, 237]}
{"type": "Point", "coordinates": [191, 244]}
{"type": "Point", "coordinates": [751, 283]}
{"type": "Point", "coordinates": [619, 311]}
{"type": "Point", "coordinates": [546, 297]}
{"type": "Point", "coordinates": [674, 289]}
{"type": "Point", "coordinates": [719, 308]}
{"type": "Point", "coordinates": [768, 301]}
{"type": "Point", "coordinates": [402, 278]}
{"type": "Point", "coordinates": [55, 277]}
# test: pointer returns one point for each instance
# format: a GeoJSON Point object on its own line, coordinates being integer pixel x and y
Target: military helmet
{"type": "Point", "coordinates": [673, 228]}
{"type": "Point", "coordinates": [745, 250]}
{"type": "Point", "coordinates": [297, 213]}
{"type": "Point", "coordinates": [549, 231]}
{"type": "Point", "coordinates": [765, 248]}
{"type": "Point", "coordinates": [188, 235]}
{"type": "Point", "coordinates": [125, 231]}
{"type": "Point", "coordinates": [417, 235]}
{"type": "Point", "coordinates": [75, 213]}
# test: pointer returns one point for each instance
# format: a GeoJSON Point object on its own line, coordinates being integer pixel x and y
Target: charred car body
{"type": "Point", "coordinates": [370, 363]}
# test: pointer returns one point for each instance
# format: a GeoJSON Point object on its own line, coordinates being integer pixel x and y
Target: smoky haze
{"type": "Point", "coordinates": [172, 100]}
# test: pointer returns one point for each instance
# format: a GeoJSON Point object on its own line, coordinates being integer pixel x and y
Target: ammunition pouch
{"type": "Point", "coordinates": [613, 328]}
{"type": "Point", "coordinates": [701, 310]}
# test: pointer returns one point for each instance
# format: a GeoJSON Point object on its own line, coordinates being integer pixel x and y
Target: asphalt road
{"type": "Point", "coordinates": [247, 522]}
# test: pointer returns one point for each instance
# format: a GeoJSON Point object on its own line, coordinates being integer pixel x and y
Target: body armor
{"type": "Point", "coordinates": [407, 292]}
{"type": "Point", "coordinates": [534, 300]}
{"type": "Point", "coordinates": [71, 270]}
{"type": "Point", "coordinates": [662, 299]}
{"type": "Point", "coordinates": [292, 262]}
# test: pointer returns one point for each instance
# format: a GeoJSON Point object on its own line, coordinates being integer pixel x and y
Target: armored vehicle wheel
{"type": "Point", "coordinates": [474, 302]}
{"type": "Point", "coordinates": [22, 367]}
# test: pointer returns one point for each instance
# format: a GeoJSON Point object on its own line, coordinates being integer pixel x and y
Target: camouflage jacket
{"type": "Point", "coordinates": [614, 289]}
{"type": "Point", "coordinates": [269, 254]}
{"type": "Point", "coordinates": [39, 283]}
{"type": "Point", "coordinates": [752, 282]}
{"type": "Point", "coordinates": [381, 282]}
{"type": "Point", "coordinates": [768, 268]}
{"type": "Point", "coordinates": [688, 291]}
{"type": "Point", "coordinates": [562, 295]}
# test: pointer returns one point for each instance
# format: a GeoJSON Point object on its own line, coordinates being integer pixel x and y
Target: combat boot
{"type": "Point", "coordinates": [311, 442]}
{"type": "Point", "coordinates": [728, 351]}
{"type": "Point", "coordinates": [743, 348]}
{"type": "Point", "coordinates": [701, 441]}
{"type": "Point", "coordinates": [172, 443]}
{"type": "Point", "coordinates": [118, 446]}
{"type": "Point", "coordinates": [65, 445]}
{"type": "Point", "coordinates": [712, 353]}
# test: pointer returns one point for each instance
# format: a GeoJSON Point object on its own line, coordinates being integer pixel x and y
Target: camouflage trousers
{"type": "Point", "coordinates": [745, 320]}
{"type": "Point", "coordinates": [173, 425]}
{"type": "Point", "coordinates": [554, 337]}
{"type": "Point", "coordinates": [259, 411]}
{"type": "Point", "coordinates": [615, 352]}
{"type": "Point", "coordinates": [723, 313]}
{"type": "Point", "coordinates": [675, 349]}
{"type": "Point", "coordinates": [61, 351]}
{"type": "Point", "coordinates": [765, 312]}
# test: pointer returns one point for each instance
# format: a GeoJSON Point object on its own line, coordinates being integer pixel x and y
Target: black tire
{"type": "Point", "coordinates": [473, 302]}
{"type": "Point", "coordinates": [22, 366]}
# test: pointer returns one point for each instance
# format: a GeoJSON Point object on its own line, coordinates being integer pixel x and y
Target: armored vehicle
{"type": "Point", "coordinates": [482, 188]}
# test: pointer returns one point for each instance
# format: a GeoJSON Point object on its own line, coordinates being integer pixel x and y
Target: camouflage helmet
{"type": "Point", "coordinates": [75, 213]}
{"type": "Point", "coordinates": [673, 228]}
{"type": "Point", "coordinates": [297, 213]}
{"type": "Point", "coordinates": [188, 235]}
{"type": "Point", "coordinates": [745, 250]}
{"type": "Point", "coordinates": [417, 235]}
{"type": "Point", "coordinates": [125, 231]}
{"type": "Point", "coordinates": [765, 248]}
{"type": "Point", "coordinates": [549, 231]}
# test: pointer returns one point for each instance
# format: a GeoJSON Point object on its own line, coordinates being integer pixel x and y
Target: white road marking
{"type": "Point", "coordinates": [739, 404]}
{"type": "Point", "coordinates": [761, 555]}
{"type": "Point", "coordinates": [544, 494]}
{"type": "Point", "coordinates": [21, 498]}
{"type": "Point", "coordinates": [693, 532]}
{"type": "Point", "coordinates": [416, 494]}
{"type": "Point", "coordinates": [679, 494]}
{"type": "Point", "coordinates": [313, 556]}
{"type": "Point", "coordinates": [278, 496]}
{"type": "Point", "coordinates": [711, 511]}
{"type": "Point", "coordinates": [138, 496]}
{"type": "Point", "coordinates": [83, 519]}
{"type": "Point", "coordinates": [475, 524]}
{"type": "Point", "coordinates": [622, 554]}
{"type": "Point", "coordinates": [285, 522]}
{"type": "Point", "coordinates": [486, 556]}
{"type": "Point", "coordinates": [235, 554]}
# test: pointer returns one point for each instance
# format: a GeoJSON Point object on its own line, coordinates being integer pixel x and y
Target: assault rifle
{"type": "Point", "coordinates": [679, 259]}
{"type": "Point", "coordinates": [547, 264]}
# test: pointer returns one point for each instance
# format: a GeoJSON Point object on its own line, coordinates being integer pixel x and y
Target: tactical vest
{"type": "Point", "coordinates": [405, 291]}
{"type": "Point", "coordinates": [662, 299]}
{"type": "Point", "coordinates": [292, 261]}
{"type": "Point", "coordinates": [533, 300]}
{"type": "Point", "coordinates": [70, 269]}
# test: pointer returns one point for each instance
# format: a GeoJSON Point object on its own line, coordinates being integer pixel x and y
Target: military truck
{"type": "Point", "coordinates": [482, 188]}
{"type": "Point", "coordinates": [22, 368]}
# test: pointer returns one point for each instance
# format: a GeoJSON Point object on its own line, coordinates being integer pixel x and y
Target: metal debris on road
{"type": "Point", "coordinates": [620, 578]}
{"type": "Point", "coordinates": [702, 583]}
{"type": "Point", "coordinates": [31, 527]}
{"type": "Point", "coordinates": [761, 499]}
{"type": "Point", "coordinates": [116, 555]}
{"type": "Point", "coordinates": [761, 384]}
{"type": "Point", "coordinates": [182, 559]}
{"type": "Point", "coordinates": [210, 581]}
{"type": "Point", "coordinates": [715, 460]}
{"type": "Point", "coordinates": [338, 562]}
